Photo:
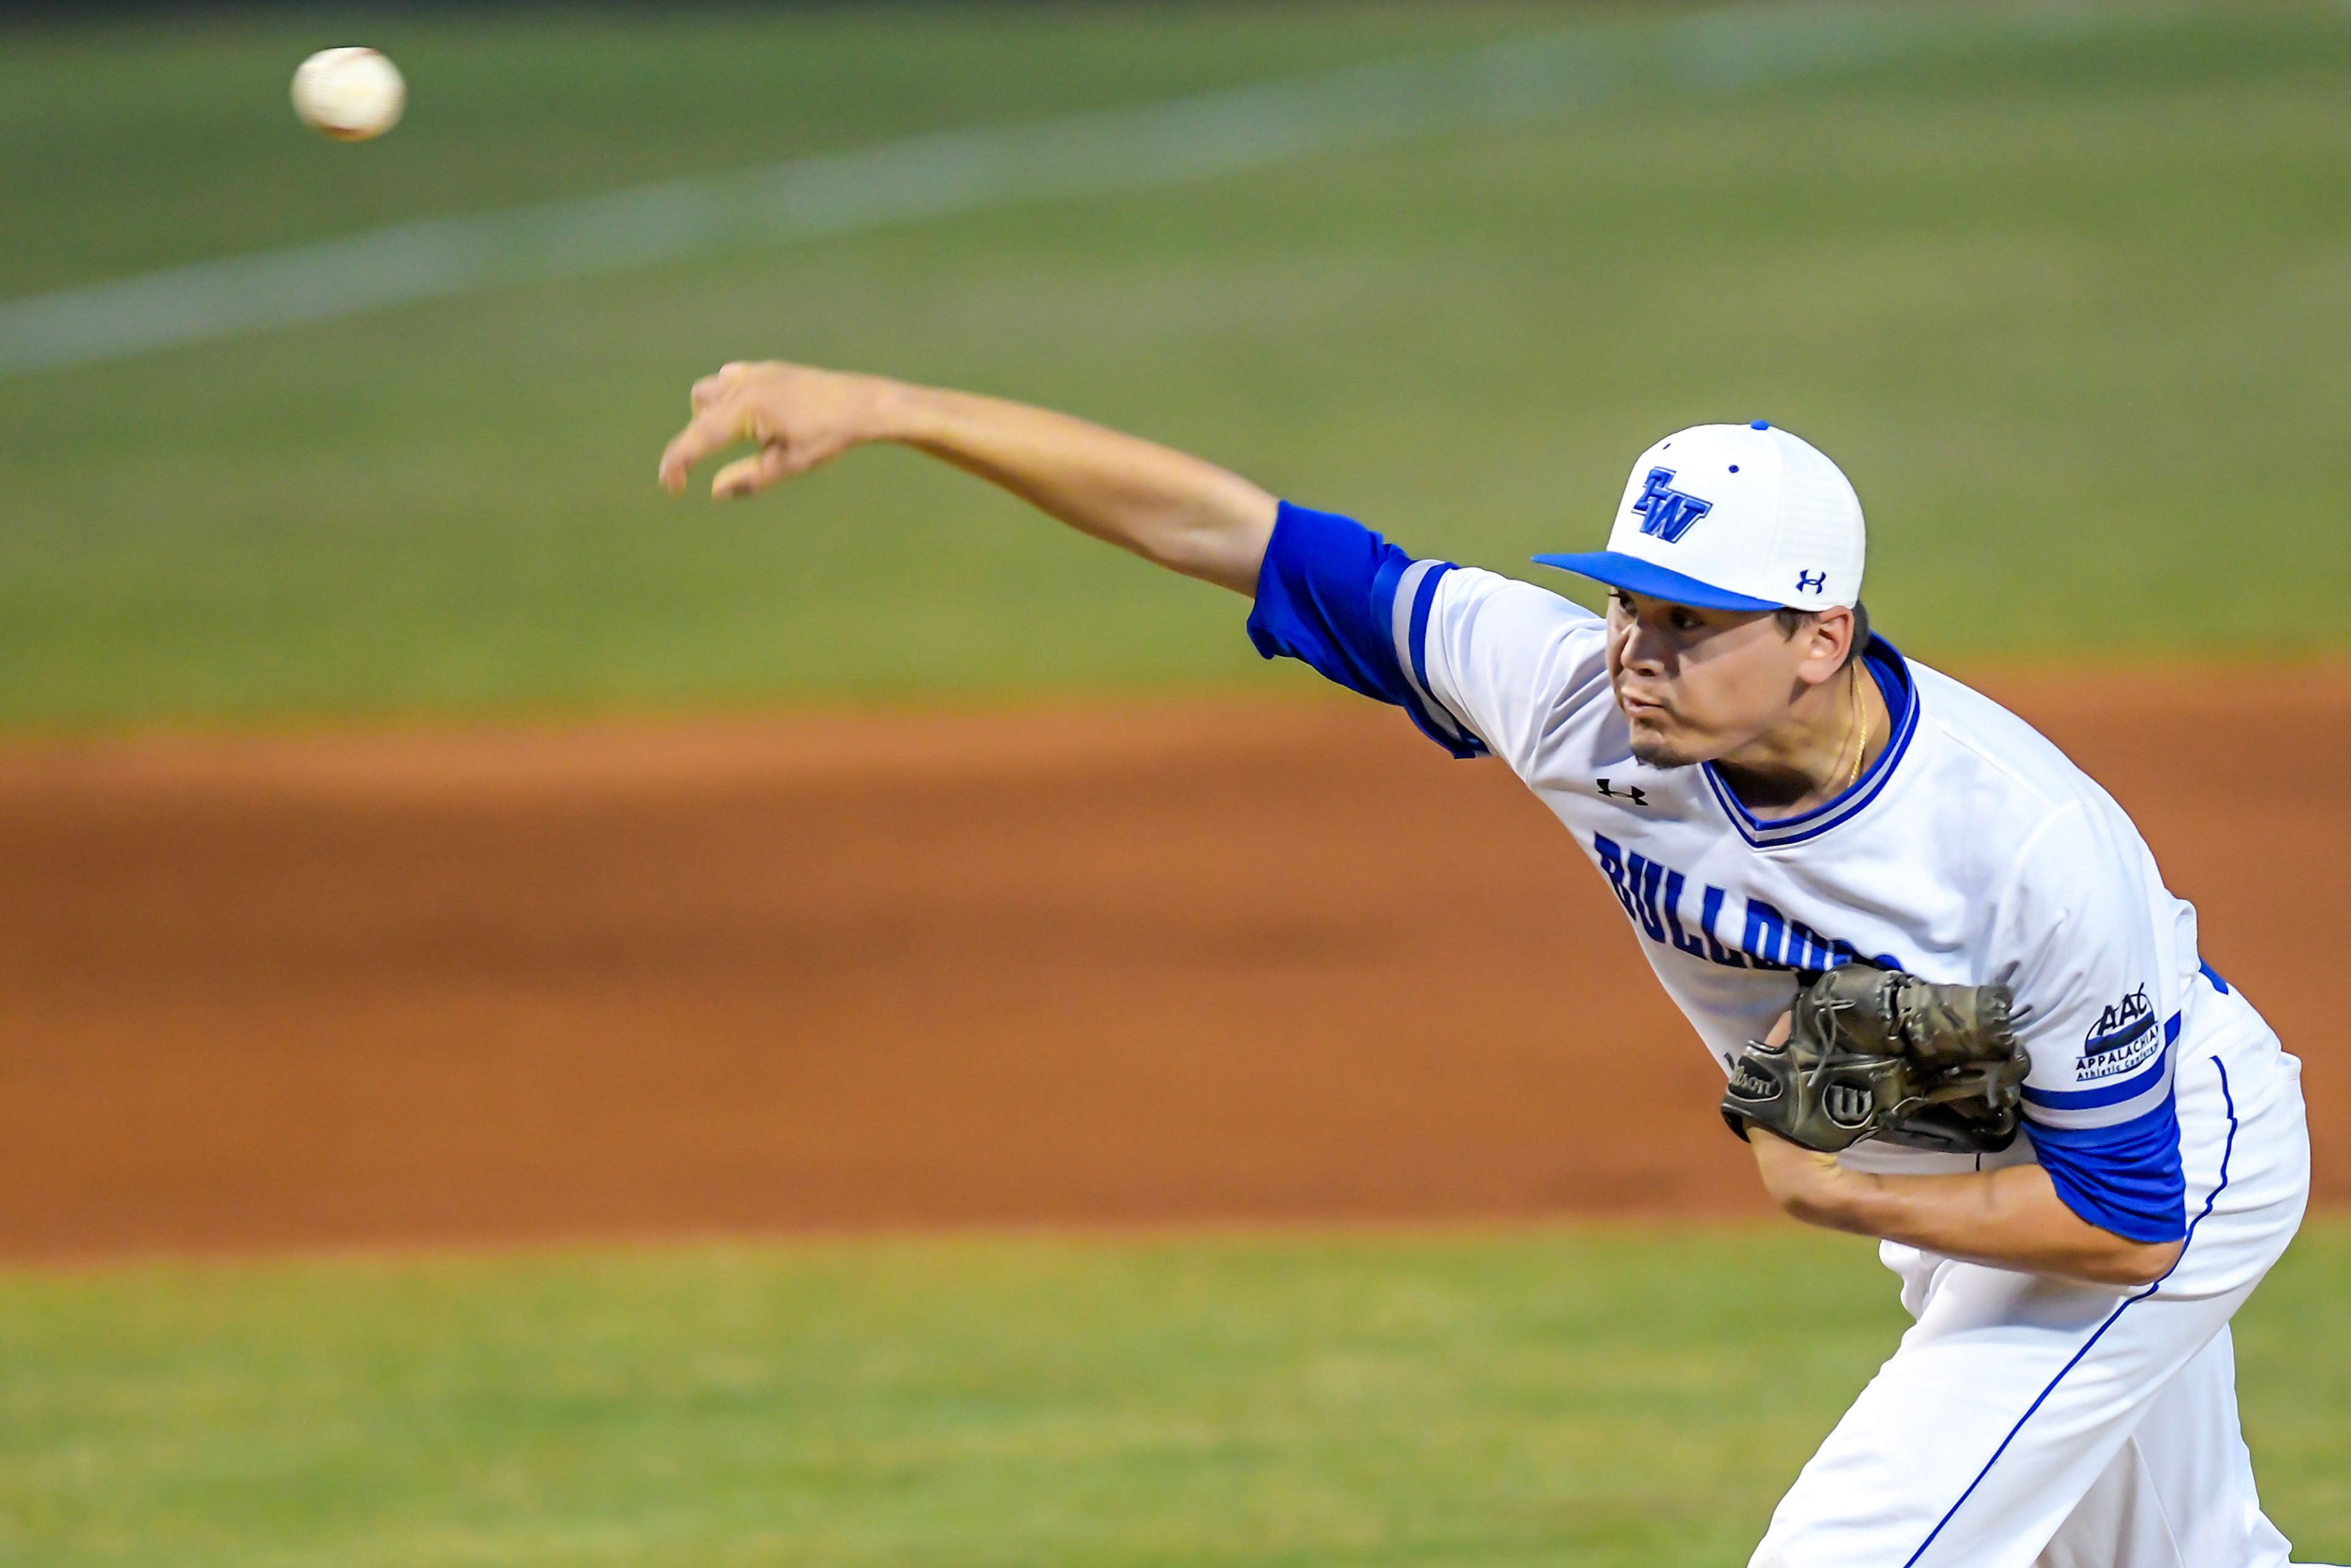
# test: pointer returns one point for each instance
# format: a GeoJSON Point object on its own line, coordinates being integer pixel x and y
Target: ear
{"type": "Point", "coordinates": [1826, 640]}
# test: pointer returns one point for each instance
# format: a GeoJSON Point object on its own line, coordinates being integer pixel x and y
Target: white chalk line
{"type": "Point", "coordinates": [830, 196]}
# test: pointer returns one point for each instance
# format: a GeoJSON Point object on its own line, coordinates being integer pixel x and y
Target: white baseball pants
{"type": "Point", "coordinates": [2031, 1423]}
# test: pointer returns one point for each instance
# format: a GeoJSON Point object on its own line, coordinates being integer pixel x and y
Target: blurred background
{"type": "Point", "coordinates": [541, 1022]}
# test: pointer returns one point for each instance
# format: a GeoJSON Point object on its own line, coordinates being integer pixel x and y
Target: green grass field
{"type": "Point", "coordinates": [1563, 1397]}
{"type": "Point", "coordinates": [2069, 310]}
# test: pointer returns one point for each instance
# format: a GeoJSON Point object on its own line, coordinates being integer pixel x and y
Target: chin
{"type": "Point", "coordinates": [1662, 752]}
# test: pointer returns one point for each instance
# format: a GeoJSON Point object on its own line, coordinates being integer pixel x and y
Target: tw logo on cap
{"type": "Point", "coordinates": [1668, 513]}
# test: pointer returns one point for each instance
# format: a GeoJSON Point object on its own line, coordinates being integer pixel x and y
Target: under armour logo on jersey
{"type": "Point", "coordinates": [1631, 794]}
{"type": "Point", "coordinates": [1812, 581]}
{"type": "Point", "coordinates": [1668, 513]}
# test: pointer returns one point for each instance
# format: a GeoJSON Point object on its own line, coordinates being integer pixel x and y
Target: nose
{"type": "Point", "coordinates": [1642, 650]}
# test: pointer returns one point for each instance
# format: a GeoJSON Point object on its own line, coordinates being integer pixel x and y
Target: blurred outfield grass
{"type": "Point", "coordinates": [2072, 312]}
{"type": "Point", "coordinates": [1586, 1397]}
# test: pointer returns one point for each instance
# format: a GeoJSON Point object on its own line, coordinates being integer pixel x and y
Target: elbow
{"type": "Point", "coordinates": [2134, 1265]}
{"type": "Point", "coordinates": [2092, 1251]}
{"type": "Point", "coordinates": [1219, 535]}
{"type": "Point", "coordinates": [1217, 562]}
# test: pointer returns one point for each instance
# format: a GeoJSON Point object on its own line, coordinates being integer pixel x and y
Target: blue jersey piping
{"type": "Point", "coordinates": [1892, 673]}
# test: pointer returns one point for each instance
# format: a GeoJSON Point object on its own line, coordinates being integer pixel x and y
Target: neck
{"type": "Point", "coordinates": [1813, 755]}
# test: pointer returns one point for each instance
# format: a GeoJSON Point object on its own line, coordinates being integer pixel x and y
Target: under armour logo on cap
{"type": "Point", "coordinates": [1668, 512]}
{"type": "Point", "coordinates": [1812, 581]}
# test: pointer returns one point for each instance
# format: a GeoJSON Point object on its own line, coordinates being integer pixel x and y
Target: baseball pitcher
{"type": "Point", "coordinates": [1955, 1007]}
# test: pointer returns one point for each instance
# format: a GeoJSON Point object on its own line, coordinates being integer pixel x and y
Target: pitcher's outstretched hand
{"type": "Point", "coordinates": [798, 416]}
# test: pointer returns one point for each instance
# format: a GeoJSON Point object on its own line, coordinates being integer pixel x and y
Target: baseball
{"type": "Point", "coordinates": [350, 94]}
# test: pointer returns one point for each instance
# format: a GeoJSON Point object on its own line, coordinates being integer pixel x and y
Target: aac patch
{"type": "Point", "coordinates": [2123, 1038]}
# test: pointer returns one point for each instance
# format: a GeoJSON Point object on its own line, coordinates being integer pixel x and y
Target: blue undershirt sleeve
{"type": "Point", "coordinates": [2125, 1178]}
{"type": "Point", "coordinates": [1326, 596]}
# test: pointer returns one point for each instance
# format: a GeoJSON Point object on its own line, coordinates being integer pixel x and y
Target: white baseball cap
{"type": "Point", "coordinates": [1733, 516]}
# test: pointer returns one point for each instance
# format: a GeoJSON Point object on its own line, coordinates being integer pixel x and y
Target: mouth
{"type": "Point", "coordinates": [1640, 709]}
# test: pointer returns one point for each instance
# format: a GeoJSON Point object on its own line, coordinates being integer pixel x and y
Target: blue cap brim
{"type": "Point", "coordinates": [1634, 575]}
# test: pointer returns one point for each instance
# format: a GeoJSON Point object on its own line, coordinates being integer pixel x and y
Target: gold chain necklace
{"type": "Point", "coordinates": [1861, 734]}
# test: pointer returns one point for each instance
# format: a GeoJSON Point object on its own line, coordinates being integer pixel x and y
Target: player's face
{"type": "Point", "coordinates": [1699, 684]}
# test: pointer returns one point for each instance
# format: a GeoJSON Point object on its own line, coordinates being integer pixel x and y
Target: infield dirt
{"type": "Point", "coordinates": [1270, 962]}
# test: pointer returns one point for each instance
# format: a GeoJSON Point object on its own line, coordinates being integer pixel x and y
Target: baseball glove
{"type": "Point", "coordinates": [1879, 1053]}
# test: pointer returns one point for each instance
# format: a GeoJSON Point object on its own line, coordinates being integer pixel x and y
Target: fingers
{"type": "Point", "coordinates": [728, 409]}
{"type": "Point", "coordinates": [713, 429]}
{"type": "Point", "coordinates": [749, 476]}
{"type": "Point", "coordinates": [710, 388]}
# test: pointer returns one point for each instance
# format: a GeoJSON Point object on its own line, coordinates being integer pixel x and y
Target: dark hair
{"type": "Point", "coordinates": [1791, 621]}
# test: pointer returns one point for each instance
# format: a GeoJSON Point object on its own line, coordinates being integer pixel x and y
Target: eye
{"type": "Point", "coordinates": [1685, 622]}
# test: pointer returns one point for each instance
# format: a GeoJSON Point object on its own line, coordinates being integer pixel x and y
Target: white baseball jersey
{"type": "Point", "coordinates": [1970, 850]}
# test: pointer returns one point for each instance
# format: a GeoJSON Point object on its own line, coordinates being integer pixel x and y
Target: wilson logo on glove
{"type": "Point", "coordinates": [1876, 1052]}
